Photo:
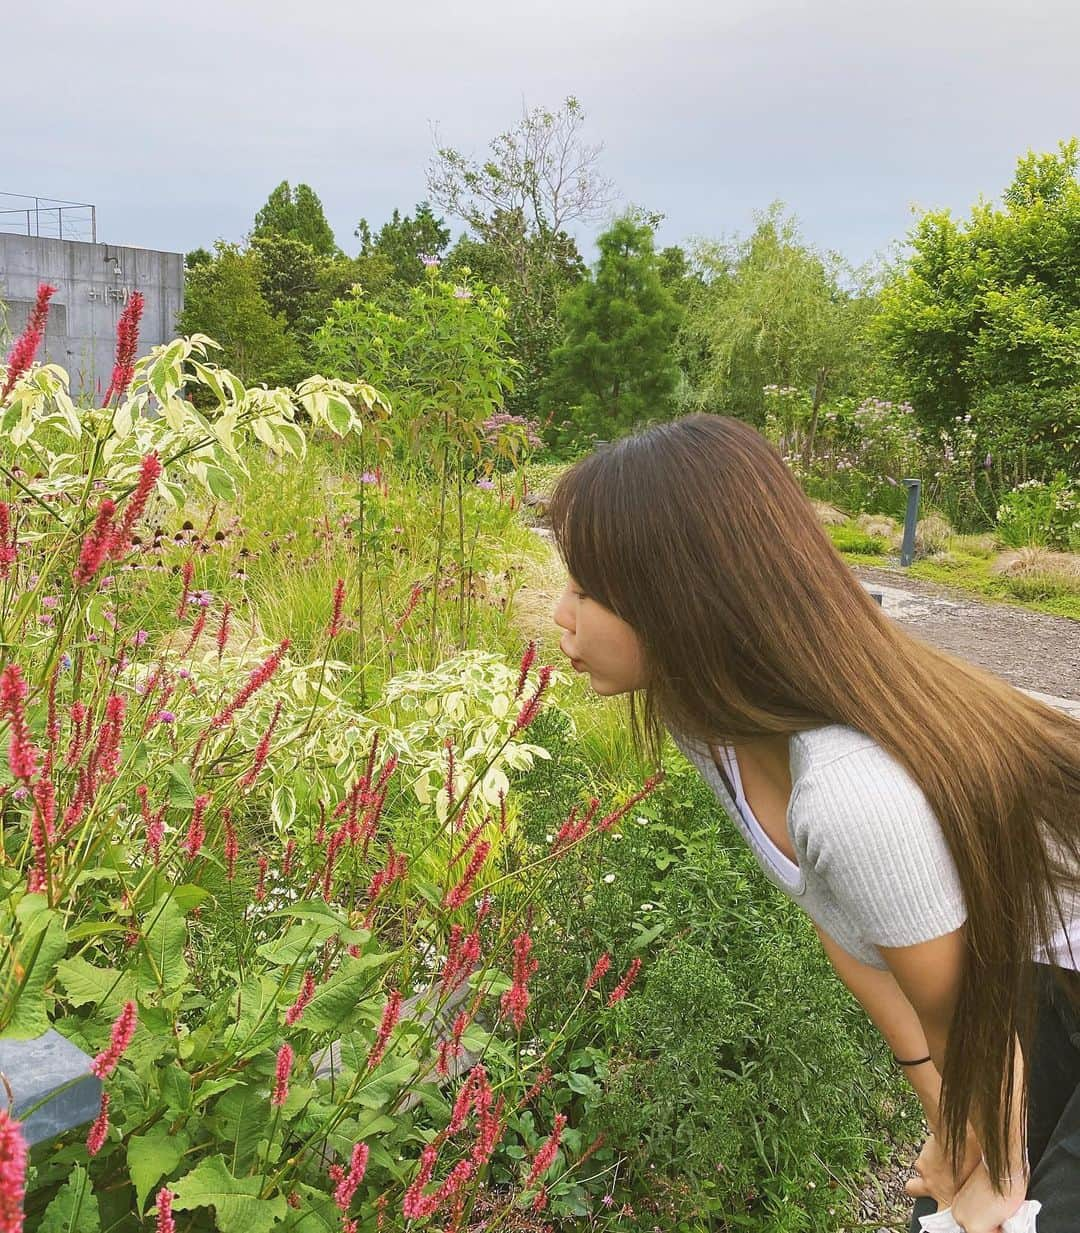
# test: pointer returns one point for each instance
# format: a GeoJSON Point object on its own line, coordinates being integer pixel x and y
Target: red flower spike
{"type": "Point", "coordinates": [22, 753]}
{"type": "Point", "coordinates": [96, 544]}
{"type": "Point", "coordinates": [281, 1075]}
{"type": "Point", "coordinates": [527, 661]}
{"type": "Point", "coordinates": [25, 348]}
{"type": "Point", "coordinates": [339, 604]}
{"type": "Point", "coordinates": [257, 679]}
{"type": "Point", "coordinates": [122, 1032]}
{"type": "Point", "coordinates": [546, 1155]}
{"type": "Point", "coordinates": [599, 970]}
{"type": "Point", "coordinates": [136, 505]}
{"type": "Point", "coordinates": [127, 342]}
{"type": "Point", "coordinates": [165, 1221]}
{"type": "Point", "coordinates": [95, 1140]}
{"type": "Point", "coordinates": [623, 987]}
{"type": "Point", "coordinates": [306, 993]}
{"type": "Point", "coordinates": [9, 544]}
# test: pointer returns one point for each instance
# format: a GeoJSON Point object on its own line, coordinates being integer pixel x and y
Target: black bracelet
{"type": "Point", "coordinates": [917, 1062]}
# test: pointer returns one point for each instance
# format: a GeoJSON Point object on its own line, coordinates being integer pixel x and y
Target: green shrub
{"type": "Point", "coordinates": [850, 539]}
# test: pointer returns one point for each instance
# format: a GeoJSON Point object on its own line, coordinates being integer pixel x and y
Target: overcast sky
{"type": "Point", "coordinates": [177, 120]}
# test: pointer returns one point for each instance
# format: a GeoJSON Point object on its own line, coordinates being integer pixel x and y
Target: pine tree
{"type": "Point", "coordinates": [296, 214]}
{"type": "Point", "coordinates": [616, 367]}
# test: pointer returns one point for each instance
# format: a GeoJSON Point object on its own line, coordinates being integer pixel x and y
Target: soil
{"type": "Point", "coordinates": [1029, 649]}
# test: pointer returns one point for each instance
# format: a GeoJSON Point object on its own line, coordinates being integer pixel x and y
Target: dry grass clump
{"type": "Point", "coordinates": [828, 515]}
{"type": "Point", "coordinates": [880, 526]}
{"type": "Point", "coordinates": [1023, 562]}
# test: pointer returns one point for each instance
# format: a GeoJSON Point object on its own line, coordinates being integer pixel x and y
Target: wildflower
{"type": "Point", "coordinates": [262, 750]}
{"type": "Point", "coordinates": [515, 1001]}
{"type": "Point", "coordinates": [429, 261]}
{"type": "Point", "coordinates": [9, 544]}
{"type": "Point", "coordinates": [486, 484]}
{"type": "Point", "coordinates": [623, 987]}
{"type": "Point", "coordinates": [13, 1158]}
{"type": "Point", "coordinates": [339, 603]}
{"type": "Point", "coordinates": [390, 1016]}
{"type": "Point", "coordinates": [458, 894]}
{"type": "Point", "coordinates": [599, 970]}
{"type": "Point", "coordinates": [546, 1155]}
{"type": "Point", "coordinates": [187, 572]}
{"type": "Point", "coordinates": [369, 477]}
{"type": "Point", "coordinates": [223, 630]}
{"type": "Point", "coordinates": [197, 627]}
{"type": "Point", "coordinates": [26, 345]}
{"type": "Point", "coordinates": [410, 607]}
{"type": "Point", "coordinates": [461, 958]}
{"type": "Point", "coordinates": [166, 717]}
{"type": "Point", "coordinates": [197, 826]}
{"type": "Point", "coordinates": [532, 707]}
{"type": "Point", "coordinates": [127, 340]}
{"type": "Point", "coordinates": [415, 1206]}
{"type": "Point", "coordinates": [95, 1140]}
{"type": "Point", "coordinates": [347, 1187]}
{"type": "Point", "coordinates": [260, 886]}
{"type": "Point", "coordinates": [527, 661]}
{"type": "Point", "coordinates": [141, 637]}
{"type": "Point", "coordinates": [649, 786]}
{"type": "Point", "coordinates": [281, 1075]}
{"type": "Point", "coordinates": [255, 682]}
{"type": "Point", "coordinates": [462, 293]}
{"type": "Point", "coordinates": [306, 993]}
{"type": "Point", "coordinates": [96, 544]}
{"type": "Point", "coordinates": [232, 845]}
{"type": "Point", "coordinates": [22, 753]}
{"type": "Point", "coordinates": [149, 472]}
{"type": "Point", "coordinates": [287, 858]}
{"type": "Point", "coordinates": [122, 1031]}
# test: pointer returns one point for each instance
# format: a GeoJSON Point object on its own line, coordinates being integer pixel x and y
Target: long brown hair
{"type": "Point", "coordinates": [696, 534]}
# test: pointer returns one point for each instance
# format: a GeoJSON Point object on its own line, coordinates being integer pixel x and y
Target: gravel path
{"type": "Point", "coordinates": [1029, 649]}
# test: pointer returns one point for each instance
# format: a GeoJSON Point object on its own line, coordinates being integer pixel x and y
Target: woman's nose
{"type": "Point", "coordinates": [561, 615]}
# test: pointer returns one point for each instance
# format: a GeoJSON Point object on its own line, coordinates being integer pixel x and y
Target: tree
{"type": "Point", "coordinates": [616, 364]}
{"type": "Point", "coordinates": [403, 241]}
{"type": "Point", "coordinates": [771, 310]}
{"type": "Point", "coordinates": [296, 214]}
{"type": "Point", "coordinates": [223, 298]}
{"type": "Point", "coordinates": [983, 320]}
{"type": "Point", "coordinates": [539, 179]}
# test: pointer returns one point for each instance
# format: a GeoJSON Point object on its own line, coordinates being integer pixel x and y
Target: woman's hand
{"type": "Point", "coordinates": [978, 1208]}
{"type": "Point", "coordinates": [934, 1177]}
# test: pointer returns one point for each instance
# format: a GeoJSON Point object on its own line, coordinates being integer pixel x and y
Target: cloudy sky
{"type": "Point", "coordinates": [178, 119]}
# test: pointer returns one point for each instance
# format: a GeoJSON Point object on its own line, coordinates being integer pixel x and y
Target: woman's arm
{"type": "Point", "coordinates": [894, 1017]}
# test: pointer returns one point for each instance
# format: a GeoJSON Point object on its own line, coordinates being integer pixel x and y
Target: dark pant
{"type": "Point", "coordinates": [1053, 1111]}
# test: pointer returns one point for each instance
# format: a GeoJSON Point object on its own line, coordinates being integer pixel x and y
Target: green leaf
{"type": "Point", "coordinates": [337, 1000]}
{"type": "Point", "coordinates": [153, 1156]}
{"type": "Point", "coordinates": [181, 788]}
{"type": "Point", "coordinates": [298, 944]}
{"type": "Point", "coordinates": [85, 984]}
{"type": "Point", "coordinates": [239, 1123]}
{"type": "Point", "coordinates": [43, 943]}
{"type": "Point", "coordinates": [161, 961]}
{"type": "Point", "coordinates": [237, 1207]}
{"type": "Point", "coordinates": [220, 483]}
{"type": "Point", "coordinates": [74, 1209]}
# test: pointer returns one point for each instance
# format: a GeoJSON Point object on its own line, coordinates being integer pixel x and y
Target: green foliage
{"type": "Point", "coordinates": [1043, 514]}
{"type": "Point", "coordinates": [983, 319]}
{"type": "Point", "coordinates": [397, 251]}
{"type": "Point", "coordinates": [616, 367]}
{"type": "Point", "coordinates": [850, 539]}
{"type": "Point", "coordinates": [774, 311]}
{"type": "Point", "coordinates": [296, 214]}
{"type": "Point", "coordinates": [223, 299]}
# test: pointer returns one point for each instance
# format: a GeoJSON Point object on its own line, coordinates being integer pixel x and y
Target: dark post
{"type": "Point", "coordinates": [911, 518]}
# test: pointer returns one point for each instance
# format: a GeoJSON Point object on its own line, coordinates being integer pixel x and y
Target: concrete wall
{"type": "Point", "coordinates": [81, 333]}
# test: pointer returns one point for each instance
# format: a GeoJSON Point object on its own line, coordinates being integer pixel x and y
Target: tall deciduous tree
{"type": "Point", "coordinates": [403, 241]}
{"type": "Point", "coordinates": [539, 179]}
{"type": "Point", "coordinates": [774, 311]}
{"type": "Point", "coordinates": [616, 366]}
{"type": "Point", "coordinates": [983, 319]}
{"type": "Point", "coordinates": [298, 215]}
{"type": "Point", "coordinates": [223, 298]}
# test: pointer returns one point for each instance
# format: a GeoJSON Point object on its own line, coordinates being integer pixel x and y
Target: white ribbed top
{"type": "Point", "coordinates": [872, 866]}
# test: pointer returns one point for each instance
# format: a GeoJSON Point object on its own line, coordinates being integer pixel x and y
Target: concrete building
{"type": "Point", "coordinates": [94, 282]}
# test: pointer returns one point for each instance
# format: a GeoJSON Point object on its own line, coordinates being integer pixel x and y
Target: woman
{"type": "Point", "coordinates": [925, 814]}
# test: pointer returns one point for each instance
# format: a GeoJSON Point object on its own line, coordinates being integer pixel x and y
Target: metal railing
{"type": "Point", "coordinates": [53, 217]}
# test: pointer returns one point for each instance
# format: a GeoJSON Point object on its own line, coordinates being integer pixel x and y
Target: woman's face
{"type": "Point", "coordinates": [598, 642]}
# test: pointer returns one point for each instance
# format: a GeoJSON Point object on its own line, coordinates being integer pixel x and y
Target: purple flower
{"type": "Point", "coordinates": [65, 661]}
{"type": "Point", "coordinates": [141, 637]}
{"type": "Point", "coordinates": [49, 601]}
{"type": "Point", "coordinates": [486, 484]}
{"type": "Point", "coordinates": [429, 261]}
{"type": "Point", "coordinates": [462, 293]}
{"type": "Point", "coordinates": [166, 717]}
{"type": "Point", "coordinates": [369, 477]}
{"type": "Point", "coordinates": [107, 581]}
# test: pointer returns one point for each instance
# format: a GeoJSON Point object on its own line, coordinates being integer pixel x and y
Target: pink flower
{"type": "Point", "coordinates": [9, 544]}
{"type": "Point", "coordinates": [133, 511]}
{"type": "Point", "coordinates": [165, 1221]}
{"type": "Point", "coordinates": [515, 1001]}
{"type": "Point", "coordinates": [97, 544]}
{"type": "Point", "coordinates": [527, 661]}
{"type": "Point", "coordinates": [650, 785]}
{"type": "Point", "coordinates": [281, 1075]}
{"type": "Point", "coordinates": [26, 345]}
{"type": "Point", "coordinates": [122, 1032]}
{"type": "Point", "coordinates": [196, 835]}
{"type": "Point", "coordinates": [532, 707]}
{"type": "Point", "coordinates": [339, 603]}
{"type": "Point", "coordinates": [414, 599]}
{"type": "Point", "coordinates": [601, 967]}
{"type": "Point", "coordinates": [390, 1015]}
{"type": "Point", "coordinates": [546, 1155]}
{"type": "Point", "coordinates": [255, 682]}
{"type": "Point", "coordinates": [458, 894]}
{"type": "Point", "coordinates": [262, 750]}
{"type": "Point", "coordinates": [346, 1188]}
{"type": "Point", "coordinates": [13, 1156]}
{"type": "Point", "coordinates": [307, 992]}
{"type": "Point", "coordinates": [22, 753]}
{"type": "Point", "coordinates": [95, 1140]}
{"type": "Point", "coordinates": [620, 991]}
{"type": "Point", "coordinates": [127, 340]}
